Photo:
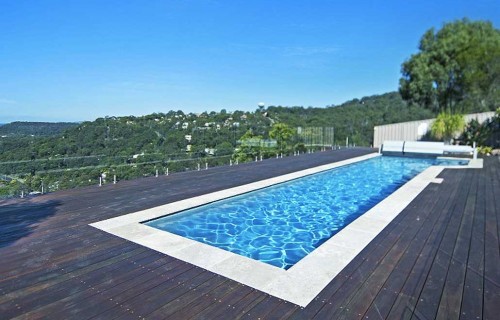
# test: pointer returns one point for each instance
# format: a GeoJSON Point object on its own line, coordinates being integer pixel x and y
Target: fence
{"type": "Point", "coordinates": [414, 130]}
{"type": "Point", "coordinates": [20, 180]}
{"type": "Point", "coordinates": [22, 177]}
{"type": "Point", "coordinates": [317, 136]}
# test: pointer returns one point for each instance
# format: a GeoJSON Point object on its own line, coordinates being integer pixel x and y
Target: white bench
{"type": "Point", "coordinates": [462, 149]}
{"type": "Point", "coordinates": [458, 149]}
{"type": "Point", "coordinates": [424, 147]}
{"type": "Point", "coordinates": [392, 146]}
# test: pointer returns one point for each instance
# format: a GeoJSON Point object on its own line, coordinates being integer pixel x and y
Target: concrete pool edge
{"type": "Point", "coordinates": [301, 283]}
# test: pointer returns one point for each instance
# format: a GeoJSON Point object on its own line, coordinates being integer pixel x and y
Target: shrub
{"type": "Point", "coordinates": [447, 125]}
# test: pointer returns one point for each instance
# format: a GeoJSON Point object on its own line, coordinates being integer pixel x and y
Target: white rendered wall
{"type": "Point", "coordinates": [415, 130]}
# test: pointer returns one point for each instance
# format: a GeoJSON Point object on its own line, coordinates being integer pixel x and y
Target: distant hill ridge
{"type": "Point", "coordinates": [24, 128]}
{"type": "Point", "coordinates": [174, 132]}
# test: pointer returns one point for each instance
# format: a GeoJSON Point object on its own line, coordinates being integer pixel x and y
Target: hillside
{"type": "Point", "coordinates": [130, 146]}
{"type": "Point", "coordinates": [165, 132]}
{"type": "Point", "coordinates": [355, 118]}
{"type": "Point", "coordinates": [20, 128]}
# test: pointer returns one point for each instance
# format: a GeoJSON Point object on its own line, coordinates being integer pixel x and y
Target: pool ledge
{"type": "Point", "coordinates": [304, 281]}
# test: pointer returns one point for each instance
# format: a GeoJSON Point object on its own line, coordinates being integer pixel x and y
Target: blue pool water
{"type": "Point", "coordinates": [281, 224]}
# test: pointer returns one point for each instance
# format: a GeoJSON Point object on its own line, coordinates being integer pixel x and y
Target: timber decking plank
{"type": "Point", "coordinates": [39, 258]}
{"type": "Point", "coordinates": [408, 296]}
{"type": "Point", "coordinates": [38, 245]}
{"type": "Point", "coordinates": [136, 287]}
{"type": "Point", "coordinates": [451, 299]}
{"type": "Point", "coordinates": [104, 292]}
{"type": "Point", "coordinates": [55, 270]}
{"type": "Point", "coordinates": [210, 299]}
{"type": "Point", "coordinates": [166, 291]}
{"type": "Point", "coordinates": [491, 307]}
{"type": "Point", "coordinates": [187, 298]}
{"type": "Point", "coordinates": [386, 297]}
{"type": "Point", "coordinates": [260, 310]}
{"type": "Point", "coordinates": [428, 301]}
{"type": "Point", "coordinates": [377, 281]}
{"type": "Point", "coordinates": [472, 299]}
{"type": "Point", "coordinates": [37, 299]}
{"type": "Point", "coordinates": [53, 305]}
{"type": "Point", "coordinates": [223, 302]}
{"type": "Point", "coordinates": [229, 308]}
{"type": "Point", "coordinates": [283, 311]}
{"type": "Point", "coordinates": [241, 308]}
{"type": "Point", "coordinates": [18, 294]}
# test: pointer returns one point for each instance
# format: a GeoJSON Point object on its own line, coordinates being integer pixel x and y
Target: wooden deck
{"type": "Point", "coordinates": [438, 259]}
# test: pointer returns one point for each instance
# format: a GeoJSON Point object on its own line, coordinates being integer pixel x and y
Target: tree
{"type": "Point", "coordinates": [456, 70]}
{"type": "Point", "coordinates": [250, 147]}
{"type": "Point", "coordinates": [225, 148]}
{"type": "Point", "coordinates": [282, 133]}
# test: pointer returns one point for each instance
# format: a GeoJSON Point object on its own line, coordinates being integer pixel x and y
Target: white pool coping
{"type": "Point", "coordinates": [301, 283]}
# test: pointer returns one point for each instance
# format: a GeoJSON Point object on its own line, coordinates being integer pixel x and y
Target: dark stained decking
{"type": "Point", "coordinates": [438, 259]}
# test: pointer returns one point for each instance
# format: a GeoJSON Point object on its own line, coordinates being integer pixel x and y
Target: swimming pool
{"type": "Point", "coordinates": [301, 283]}
{"type": "Point", "coordinates": [282, 224]}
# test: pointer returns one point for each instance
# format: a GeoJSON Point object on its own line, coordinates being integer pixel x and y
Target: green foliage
{"type": "Point", "coordinates": [250, 147]}
{"type": "Point", "coordinates": [485, 150]}
{"type": "Point", "coordinates": [300, 147]}
{"type": "Point", "coordinates": [447, 125]}
{"type": "Point", "coordinates": [484, 134]}
{"type": "Point", "coordinates": [456, 70]}
{"type": "Point", "coordinates": [133, 147]}
{"type": "Point", "coordinates": [476, 132]}
{"type": "Point", "coordinates": [494, 127]}
{"type": "Point", "coordinates": [355, 118]}
{"type": "Point", "coordinates": [19, 128]}
{"type": "Point", "coordinates": [282, 133]}
{"type": "Point", "coordinates": [225, 148]}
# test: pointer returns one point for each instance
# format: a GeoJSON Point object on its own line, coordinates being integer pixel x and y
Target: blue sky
{"type": "Point", "coordinates": [79, 60]}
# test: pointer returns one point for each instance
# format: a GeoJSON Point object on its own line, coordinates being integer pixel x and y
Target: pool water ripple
{"type": "Point", "coordinates": [281, 224]}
